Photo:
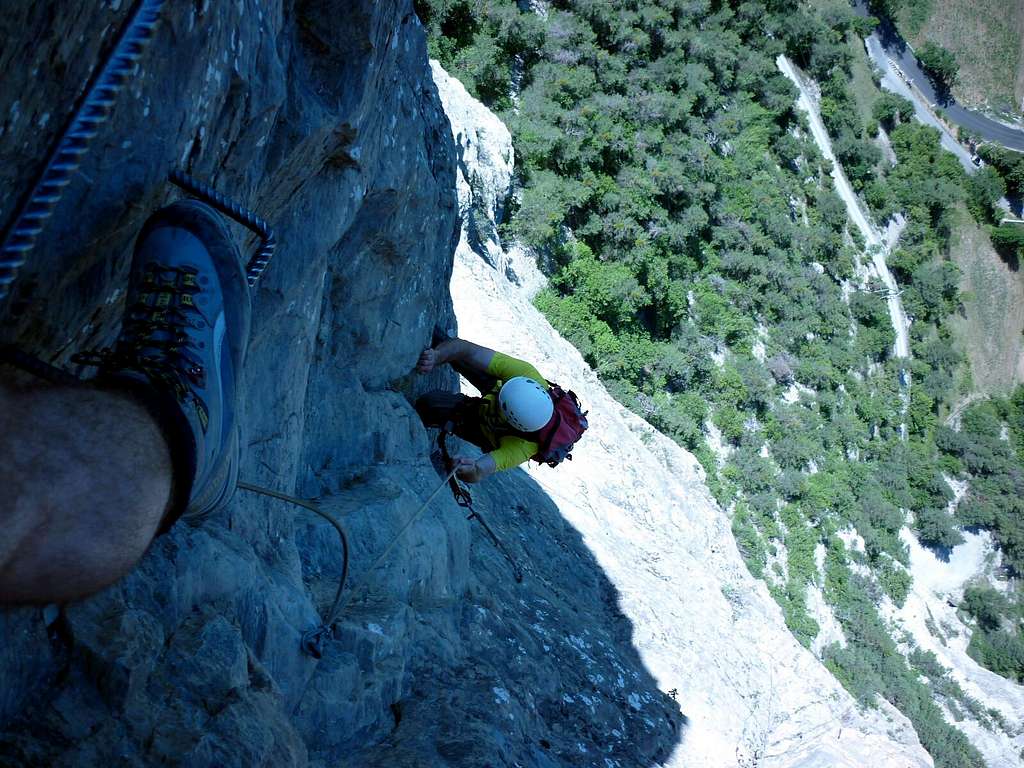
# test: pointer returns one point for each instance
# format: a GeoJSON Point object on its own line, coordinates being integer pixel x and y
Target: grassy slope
{"type": "Point", "coordinates": [990, 330]}
{"type": "Point", "coordinates": [987, 37]}
{"type": "Point", "coordinates": [862, 86]}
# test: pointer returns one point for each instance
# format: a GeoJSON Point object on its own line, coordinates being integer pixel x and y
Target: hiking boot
{"type": "Point", "coordinates": [182, 348]}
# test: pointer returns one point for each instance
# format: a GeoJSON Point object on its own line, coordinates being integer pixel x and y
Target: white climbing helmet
{"type": "Point", "coordinates": [525, 404]}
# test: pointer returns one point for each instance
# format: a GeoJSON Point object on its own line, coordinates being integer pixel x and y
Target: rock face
{"type": "Point", "coordinates": [483, 181]}
{"type": "Point", "coordinates": [749, 693]}
{"type": "Point", "coordinates": [323, 117]}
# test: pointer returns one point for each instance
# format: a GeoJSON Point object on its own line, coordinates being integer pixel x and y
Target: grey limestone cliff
{"type": "Point", "coordinates": [323, 117]}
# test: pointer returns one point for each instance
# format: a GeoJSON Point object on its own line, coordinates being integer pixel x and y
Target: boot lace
{"type": "Point", "coordinates": [153, 338]}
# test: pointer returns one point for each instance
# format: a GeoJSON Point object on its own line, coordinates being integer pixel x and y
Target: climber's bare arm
{"type": "Point", "coordinates": [455, 351]}
{"type": "Point", "coordinates": [475, 470]}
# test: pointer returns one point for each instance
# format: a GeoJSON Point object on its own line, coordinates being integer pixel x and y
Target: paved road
{"type": "Point", "coordinates": [894, 83]}
{"type": "Point", "coordinates": [898, 50]}
{"type": "Point", "coordinates": [922, 112]}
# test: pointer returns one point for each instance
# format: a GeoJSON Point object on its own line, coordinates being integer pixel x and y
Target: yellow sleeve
{"type": "Point", "coordinates": [513, 451]}
{"type": "Point", "coordinates": [504, 367]}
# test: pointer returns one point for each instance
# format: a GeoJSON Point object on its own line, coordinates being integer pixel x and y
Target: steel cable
{"type": "Point", "coordinates": [261, 258]}
{"type": "Point", "coordinates": [313, 640]}
{"type": "Point", "coordinates": [67, 153]}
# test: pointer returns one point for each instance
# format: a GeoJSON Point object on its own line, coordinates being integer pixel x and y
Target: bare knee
{"type": "Point", "coordinates": [74, 553]}
{"type": "Point", "coordinates": [87, 477]}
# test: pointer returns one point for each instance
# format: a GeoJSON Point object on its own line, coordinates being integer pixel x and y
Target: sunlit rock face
{"type": "Point", "coordinates": [704, 629]}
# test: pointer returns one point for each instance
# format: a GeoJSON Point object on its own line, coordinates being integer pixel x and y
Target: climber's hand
{"type": "Point", "coordinates": [427, 362]}
{"type": "Point", "coordinates": [467, 470]}
{"type": "Point", "coordinates": [475, 470]}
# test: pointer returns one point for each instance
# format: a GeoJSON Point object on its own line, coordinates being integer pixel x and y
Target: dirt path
{"type": "Point", "coordinates": [877, 248]}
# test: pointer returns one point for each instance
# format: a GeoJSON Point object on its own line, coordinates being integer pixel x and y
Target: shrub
{"type": "Point", "coordinates": [939, 63]}
{"type": "Point", "coordinates": [891, 109]}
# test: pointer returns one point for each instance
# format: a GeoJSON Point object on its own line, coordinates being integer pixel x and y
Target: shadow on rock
{"type": "Point", "coordinates": [542, 673]}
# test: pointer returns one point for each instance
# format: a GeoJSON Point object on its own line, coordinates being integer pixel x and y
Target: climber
{"type": "Point", "coordinates": [91, 474]}
{"type": "Point", "coordinates": [519, 415]}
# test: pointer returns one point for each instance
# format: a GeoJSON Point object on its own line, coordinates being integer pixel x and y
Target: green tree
{"type": "Point", "coordinates": [1008, 238]}
{"type": "Point", "coordinates": [984, 189]}
{"type": "Point", "coordinates": [891, 109]}
{"type": "Point", "coordinates": [939, 63]}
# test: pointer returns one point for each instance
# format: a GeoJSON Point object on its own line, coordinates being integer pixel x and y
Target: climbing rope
{"type": "Point", "coordinates": [72, 145]}
{"type": "Point", "coordinates": [313, 640]}
{"type": "Point", "coordinates": [465, 500]}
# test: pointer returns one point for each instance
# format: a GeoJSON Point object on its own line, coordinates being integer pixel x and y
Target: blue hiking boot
{"type": "Point", "coordinates": [182, 348]}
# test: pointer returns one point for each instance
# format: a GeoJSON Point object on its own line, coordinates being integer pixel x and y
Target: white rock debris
{"type": "Point", "coordinates": [930, 618]}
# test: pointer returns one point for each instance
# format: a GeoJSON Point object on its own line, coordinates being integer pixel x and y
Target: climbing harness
{"type": "Point", "coordinates": [465, 500]}
{"type": "Point", "coordinates": [67, 152]}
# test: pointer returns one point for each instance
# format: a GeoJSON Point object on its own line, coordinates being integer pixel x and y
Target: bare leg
{"type": "Point", "coordinates": [85, 477]}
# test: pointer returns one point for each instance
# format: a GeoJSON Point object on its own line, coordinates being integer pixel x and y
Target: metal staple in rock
{"type": "Point", "coordinates": [261, 258]}
{"type": "Point", "coordinates": [72, 145]}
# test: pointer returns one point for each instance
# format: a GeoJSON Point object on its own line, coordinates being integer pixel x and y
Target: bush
{"type": "Point", "coordinates": [1008, 239]}
{"type": "Point", "coordinates": [749, 542]}
{"type": "Point", "coordinates": [895, 581]}
{"type": "Point", "coordinates": [939, 63]}
{"type": "Point", "coordinates": [1009, 165]}
{"type": "Point", "coordinates": [986, 605]}
{"type": "Point", "coordinates": [891, 109]}
{"type": "Point", "coordinates": [1000, 652]}
{"type": "Point", "coordinates": [984, 189]}
{"type": "Point", "coordinates": [935, 529]}
{"type": "Point", "coordinates": [730, 422]}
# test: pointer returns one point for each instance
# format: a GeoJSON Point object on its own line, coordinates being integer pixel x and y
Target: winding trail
{"type": "Point", "coordinates": [877, 248]}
